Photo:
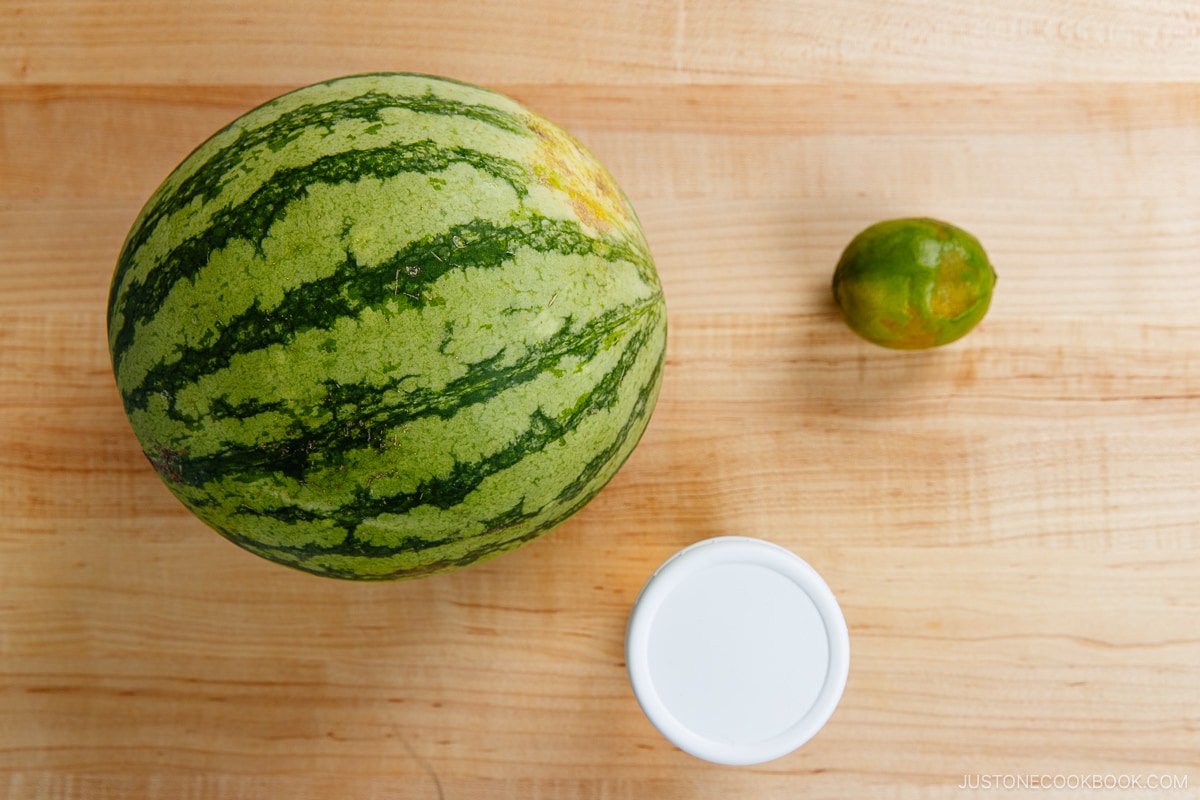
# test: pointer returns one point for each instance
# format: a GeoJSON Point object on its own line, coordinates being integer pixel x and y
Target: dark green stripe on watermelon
{"type": "Point", "coordinates": [251, 220]}
{"type": "Point", "coordinates": [307, 447]}
{"type": "Point", "coordinates": [447, 492]}
{"type": "Point", "coordinates": [353, 287]}
{"type": "Point", "coordinates": [211, 177]}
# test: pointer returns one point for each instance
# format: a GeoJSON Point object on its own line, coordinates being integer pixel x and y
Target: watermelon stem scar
{"type": "Point", "coordinates": [167, 463]}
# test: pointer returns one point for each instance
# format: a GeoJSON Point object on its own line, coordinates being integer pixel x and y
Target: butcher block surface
{"type": "Point", "coordinates": [1011, 523]}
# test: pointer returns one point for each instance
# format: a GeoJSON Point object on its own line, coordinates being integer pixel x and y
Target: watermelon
{"type": "Point", "coordinates": [387, 326]}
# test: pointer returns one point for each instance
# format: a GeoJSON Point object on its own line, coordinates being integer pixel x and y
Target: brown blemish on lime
{"type": "Point", "coordinates": [915, 333]}
{"type": "Point", "coordinates": [953, 292]}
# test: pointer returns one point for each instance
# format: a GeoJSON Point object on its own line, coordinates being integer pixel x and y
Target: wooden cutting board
{"type": "Point", "coordinates": [1011, 523]}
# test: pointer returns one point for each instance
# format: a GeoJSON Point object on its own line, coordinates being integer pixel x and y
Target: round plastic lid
{"type": "Point", "coordinates": [737, 650]}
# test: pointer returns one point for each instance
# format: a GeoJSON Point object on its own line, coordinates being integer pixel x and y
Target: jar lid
{"type": "Point", "coordinates": [737, 650]}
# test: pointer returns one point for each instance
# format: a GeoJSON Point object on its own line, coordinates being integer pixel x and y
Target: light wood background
{"type": "Point", "coordinates": [1012, 523]}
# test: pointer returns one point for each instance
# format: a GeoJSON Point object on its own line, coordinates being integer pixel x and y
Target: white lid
{"type": "Point", "coordinates": [737, 650]}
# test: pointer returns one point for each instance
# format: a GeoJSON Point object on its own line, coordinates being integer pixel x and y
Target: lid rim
{"type": "Point", "coordinates": [732, 550]}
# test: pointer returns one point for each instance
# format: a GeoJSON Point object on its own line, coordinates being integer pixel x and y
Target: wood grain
{"type": "Point", "coordinates": [1011, 523]}
{"type": "Point", "coordinates": [625, 42]}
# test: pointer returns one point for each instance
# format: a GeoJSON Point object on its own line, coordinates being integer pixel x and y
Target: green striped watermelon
{"type": "Point", "coordinates": [387, 326]}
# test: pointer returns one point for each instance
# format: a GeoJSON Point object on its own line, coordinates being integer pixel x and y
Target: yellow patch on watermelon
{"type": "Point", "coordinates": [561, 163]}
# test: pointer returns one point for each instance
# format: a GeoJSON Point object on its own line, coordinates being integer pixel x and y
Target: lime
{"type": "Point", "coordinates": [913, 283]}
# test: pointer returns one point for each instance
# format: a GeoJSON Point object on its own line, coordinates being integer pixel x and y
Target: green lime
{"type": "Point", "coordinates": [912, 284]}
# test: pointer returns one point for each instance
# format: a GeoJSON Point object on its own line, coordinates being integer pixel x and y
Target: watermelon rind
{"type": "Point", "coordinates": [387, 326]}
